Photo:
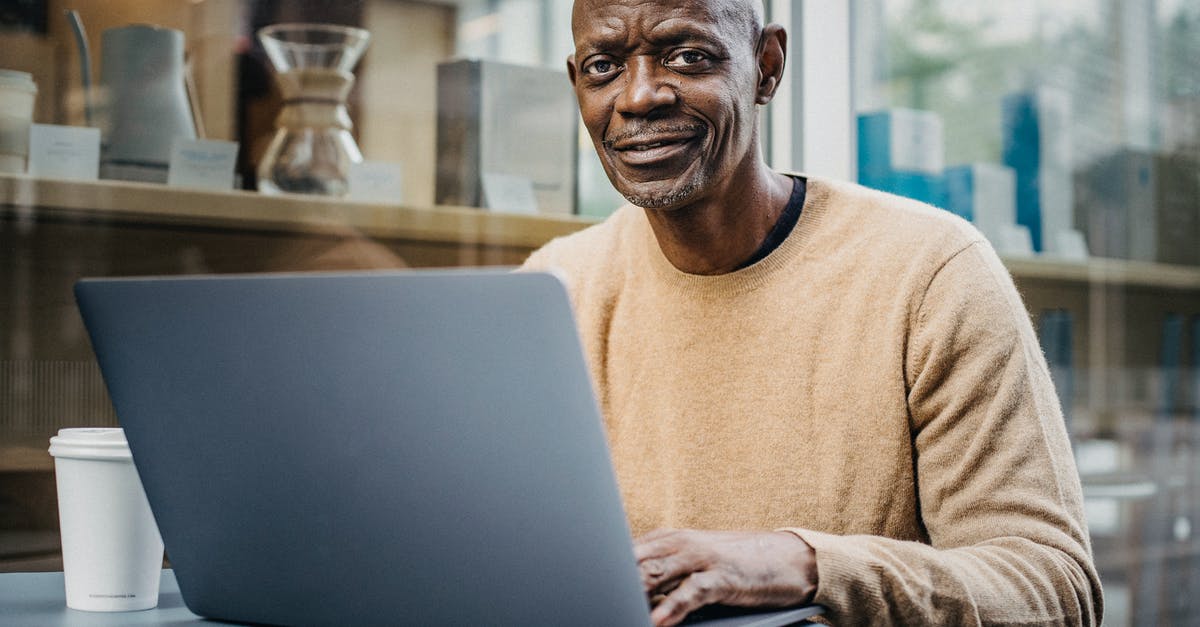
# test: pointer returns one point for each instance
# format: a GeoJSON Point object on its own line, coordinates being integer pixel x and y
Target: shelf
{"type": "Point", "coordinates": [148, 203]}
{"type": "Point", "coordinates": [1097, 270]}
{"type": "Point", "coordinates": [26, 457]}
{"type": "Point", "coordinates": [158, 204]}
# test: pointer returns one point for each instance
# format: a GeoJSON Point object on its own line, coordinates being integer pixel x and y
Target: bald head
{"type": "Point", "coordinates": [669, 91]}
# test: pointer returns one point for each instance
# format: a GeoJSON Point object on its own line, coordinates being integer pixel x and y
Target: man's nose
{"type": "Point", "coordinates": [646, 91]}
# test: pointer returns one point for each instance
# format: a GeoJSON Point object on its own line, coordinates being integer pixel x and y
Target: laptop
{"type": "Point", "coordinates": [418, 447]}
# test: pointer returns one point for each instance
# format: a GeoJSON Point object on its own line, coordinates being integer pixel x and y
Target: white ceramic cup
{"type": "Point", "coordinates": [17, 92]}
{"type": "Point", "coordinates": [112, 552]}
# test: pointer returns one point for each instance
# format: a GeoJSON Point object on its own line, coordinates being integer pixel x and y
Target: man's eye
{"type": "Point", "coordinates": [686, 58]}
{"type": "Point", "coordinates": [600, 67]}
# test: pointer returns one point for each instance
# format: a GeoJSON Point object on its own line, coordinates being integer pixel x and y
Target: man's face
{"type": "Point", "coordinates": [667, 90]}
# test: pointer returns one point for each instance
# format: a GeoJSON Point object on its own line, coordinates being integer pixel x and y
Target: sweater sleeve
{"type": "Point", "coordinates": [538, 260]}
{"type": "Point", "coordinates": [998, 490]}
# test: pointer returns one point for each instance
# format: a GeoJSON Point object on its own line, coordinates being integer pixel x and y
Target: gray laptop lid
{"type": "Point", "coordinates": [370, 448]}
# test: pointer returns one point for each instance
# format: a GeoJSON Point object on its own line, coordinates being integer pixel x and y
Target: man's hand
{"type": "Point", "coordinates": [686, 570]}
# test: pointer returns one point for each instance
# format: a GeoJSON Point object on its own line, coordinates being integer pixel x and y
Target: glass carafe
{"type": "Point", "coordinates": [312, 149]}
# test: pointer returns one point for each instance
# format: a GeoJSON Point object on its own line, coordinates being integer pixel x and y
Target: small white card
{"type": "Point", "coordinates": [377, 182]}
{"type": "Point", "coordinates": [505, 192]}
{"type": "Point", "coordinates": [1015, 240]}
{"type": "Point", "coordinates": [202, 163]}
{"type": "Point", "coordinates": [1070, 244]}
{"type": "Point", "coordinates": [64, 152]}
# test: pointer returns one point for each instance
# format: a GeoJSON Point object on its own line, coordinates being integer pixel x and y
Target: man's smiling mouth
{"type": "Point", "coordinates": [641, 147]}
{"type": "Point", "coordinates": [650, 146]}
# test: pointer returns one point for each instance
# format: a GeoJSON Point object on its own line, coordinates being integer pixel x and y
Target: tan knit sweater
{"type": "Point", "coordinates": [873, 385]}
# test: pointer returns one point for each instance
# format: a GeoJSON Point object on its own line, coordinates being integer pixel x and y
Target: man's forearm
{"type": "Point", "coordinates": [871, 580]}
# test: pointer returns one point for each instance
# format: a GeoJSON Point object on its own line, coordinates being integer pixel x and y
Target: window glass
{"type": "Point", "coordinates": [1069, 133]}
{"type": "Point", "coordinates": [397, 133]}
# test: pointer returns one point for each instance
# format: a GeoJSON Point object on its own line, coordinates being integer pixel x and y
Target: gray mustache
{"type": "Point", "coordinates": [649, 132]}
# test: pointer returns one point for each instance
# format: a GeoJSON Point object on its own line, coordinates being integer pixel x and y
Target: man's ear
{"type": "Point", "coordinates": [772, 56]}
{"type": "Point", "coordinates": [571, 68]}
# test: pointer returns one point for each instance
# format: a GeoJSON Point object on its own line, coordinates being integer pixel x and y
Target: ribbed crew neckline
{"type": "Point", "coordinates": [749, 278]}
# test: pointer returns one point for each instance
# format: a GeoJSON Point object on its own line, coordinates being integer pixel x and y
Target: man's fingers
{"type": "Point", "coordinates": [661, 576]}
{"type": "Point", "coordinates": [664, 558]}
{"type": "Point", "coordinates": [697, 568]}
{"type": "Point", "coordinates": [693, 593]}
{"type": "Point", "coordinates": [653, 572]}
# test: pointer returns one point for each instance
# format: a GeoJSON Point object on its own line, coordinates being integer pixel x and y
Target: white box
{"type": "Point", "coordinates": [510, 120]}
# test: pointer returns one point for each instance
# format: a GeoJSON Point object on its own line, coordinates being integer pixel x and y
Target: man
{"type": "Point", "coordinates": [833, 395]}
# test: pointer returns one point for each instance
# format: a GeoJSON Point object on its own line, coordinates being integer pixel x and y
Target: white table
{"type": "Point", "coordinates": [37, 599]}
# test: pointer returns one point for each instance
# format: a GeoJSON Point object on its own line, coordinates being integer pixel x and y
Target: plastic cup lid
{"type": "Point", "coordinates": [90, 443]}
{"type": "Point", "coordinates": [19, 80]}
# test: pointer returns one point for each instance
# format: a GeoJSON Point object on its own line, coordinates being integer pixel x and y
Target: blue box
{"type": "Point", "coordinates": [1037, 146]}
{"type": "Point", "coordinates": [1054, 334]}
{"type": "Point", "coordinates": [1196, 369]}
{"type": "Point", "coordinates": [985, 194]}
{"type": "Point", "coordinates": [926, 188]}
{"type": "Point", "coordinates": [1171, 362]}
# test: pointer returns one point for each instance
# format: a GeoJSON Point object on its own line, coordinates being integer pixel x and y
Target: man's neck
{"type": "Point", "coordinates": [716, 234]}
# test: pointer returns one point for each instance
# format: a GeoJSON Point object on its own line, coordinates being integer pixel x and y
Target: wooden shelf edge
{"type": "Point", "coordinates": [1104, 271]}
{"type": "Point", "coordinates": [143, 202]}
{"type": "Point", "coordinates": [26, 458]}
{"type": "Point", "coordinates": [149, 203]}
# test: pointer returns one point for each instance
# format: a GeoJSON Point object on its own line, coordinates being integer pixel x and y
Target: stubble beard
{"type": "Point", "coordinates": [681, 192]}
{"type": "Point", "coordinates": [671, 198]}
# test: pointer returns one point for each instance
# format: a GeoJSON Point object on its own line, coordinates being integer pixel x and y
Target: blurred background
{"type": "Point", "coordinates": [1067, 131]}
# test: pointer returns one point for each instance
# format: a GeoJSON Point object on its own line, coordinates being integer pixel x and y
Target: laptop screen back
{"type": "Point", "coordinates": [371, 448]}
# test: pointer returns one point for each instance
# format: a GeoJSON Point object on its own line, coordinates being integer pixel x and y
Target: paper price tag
{"type": "Point", "coordinates": [202, 163]}
{"type": "Point", "coordinates": [377, 182]}
{"type": "Point", "coordinates": [64, 152]}
{"type": "Point", "coordinates": [505, 192]}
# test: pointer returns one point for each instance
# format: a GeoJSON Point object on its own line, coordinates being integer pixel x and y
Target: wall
{"type": "Point", "coordinates": [397, 114]}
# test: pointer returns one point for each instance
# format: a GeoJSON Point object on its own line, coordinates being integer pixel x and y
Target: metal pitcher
{"type": "Point", "coordinates": [143, 105]}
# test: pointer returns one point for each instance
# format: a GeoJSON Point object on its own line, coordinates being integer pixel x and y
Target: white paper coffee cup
{"type": "Point", "coordinates": [112, 552]}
